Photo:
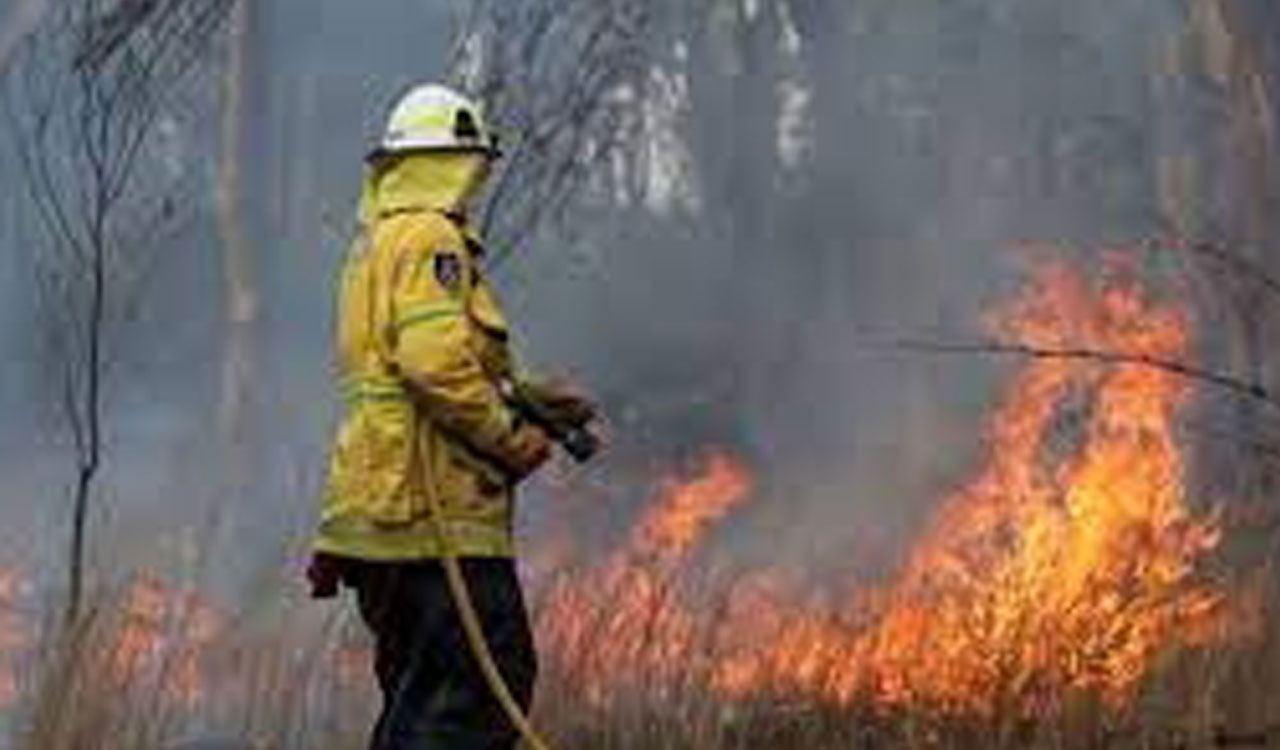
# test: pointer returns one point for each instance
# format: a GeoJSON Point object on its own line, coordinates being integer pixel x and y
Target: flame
{"type": "Point", "coordinates": [623, 620]}
{"type": "Point", "coordinates": [1061, 566]}
{"type": "Point", "coordinates": [162, 637]}
{"type": "Point", "coordinates": [1067, 564]}
{"type": "Point", "coordinates": [14, 635]}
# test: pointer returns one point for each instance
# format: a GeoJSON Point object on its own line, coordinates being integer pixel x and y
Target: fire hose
{"type": "Point", "coordinates": [475, 638]}
{"type": "Point", "coordinates": [579, 443]}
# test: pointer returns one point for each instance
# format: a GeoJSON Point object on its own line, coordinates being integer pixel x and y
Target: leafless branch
{"type": "Point", "coordinates": [95, 79]}
{"type": "Point", "coordinates": [1230, 383]}
{"type": "Point", "coordinates": [546, 70]}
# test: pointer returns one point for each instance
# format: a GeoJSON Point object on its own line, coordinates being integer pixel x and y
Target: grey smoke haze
{"type": "Point", "coordinates": [930, 142]}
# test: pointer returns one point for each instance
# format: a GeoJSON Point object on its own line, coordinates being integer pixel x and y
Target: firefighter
{"type": "Point", "coordinates": [423, 356]}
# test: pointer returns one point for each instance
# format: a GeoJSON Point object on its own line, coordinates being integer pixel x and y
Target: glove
{"type": "Point", "coordinates": [563, 402]}
{"type": "Point", "coordinates": [529, 449]}
{"type": "Point", "coordinates": [324, 573]}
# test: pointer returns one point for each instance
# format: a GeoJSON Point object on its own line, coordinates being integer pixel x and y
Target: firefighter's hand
{"type": "Point", "coordinates": [324, 573]}
{"type": "Point", "coordinates": [563, 402]}
{"type": "Point", "coordinates": [530, 449]}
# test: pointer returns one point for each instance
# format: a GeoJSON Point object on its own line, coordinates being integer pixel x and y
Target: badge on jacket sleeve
{"type": "Point", "coordinates": [448, 270]}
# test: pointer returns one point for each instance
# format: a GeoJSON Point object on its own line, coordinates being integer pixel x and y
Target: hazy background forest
{"type": "Point", "coordinates": [720, 216]}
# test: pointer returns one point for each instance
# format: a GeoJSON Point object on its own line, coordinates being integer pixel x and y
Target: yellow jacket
{"type": "Point", "coordinates": [422, 345]}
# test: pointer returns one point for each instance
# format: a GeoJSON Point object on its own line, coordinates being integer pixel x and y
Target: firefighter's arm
{"type": "Point", "coordinates": [432, 349]}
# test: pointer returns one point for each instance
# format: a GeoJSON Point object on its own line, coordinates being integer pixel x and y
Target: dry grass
{"type": "Point", "coordinates": [143, 672]}
{"type": "Point", "coordinates": [281, 682]}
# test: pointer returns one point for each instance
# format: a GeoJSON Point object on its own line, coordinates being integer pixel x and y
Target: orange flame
{"type": "Point", "coordinates": [1062, 566]}
{"type": "Point", "coordinates": [1068, 563]}
{"type": "Point", "coordinates": [620, 626]}
{"type": "Point", "coordinates": [14, 636]}
{"type": "Point", "coordinates": [162, 638]}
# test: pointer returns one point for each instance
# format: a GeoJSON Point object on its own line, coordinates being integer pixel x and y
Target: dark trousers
{"type": "Point", "coordinates": [434, 695]}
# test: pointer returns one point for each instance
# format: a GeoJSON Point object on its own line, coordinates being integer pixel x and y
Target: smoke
{"type": "Point", "coordinates": [815, 176]}
{"type": "Point", "coordinates": [850, 175]}
{"type": "Point", "coordinates": [17, 23]}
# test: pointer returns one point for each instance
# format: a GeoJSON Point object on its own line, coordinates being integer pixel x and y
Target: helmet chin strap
{"type": "Point", "coordinates": [475, 184]}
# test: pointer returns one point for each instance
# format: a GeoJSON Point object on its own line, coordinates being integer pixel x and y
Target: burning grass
{"type": "Point", "coordinates": [280, 692]}
{"type": "Point", "coordinates": [150, 663]}
{"type": "Point", "coordinates": [1058, 599]}
{"type": "Point", "coordinates": [1069, 564]}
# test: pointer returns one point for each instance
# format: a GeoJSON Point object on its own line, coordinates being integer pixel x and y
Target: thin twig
{"type": "Point", "coordinates": [550, 82]}
{"type": "Point", "coordinates": [1238, 265]}
{"type": "Point", "coordinates": [1255, 391]}
{"type": "Point", "coordinates": [93, 85]}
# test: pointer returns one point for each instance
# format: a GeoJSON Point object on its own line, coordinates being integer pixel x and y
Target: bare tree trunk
{"type": "Point", "coordinates": [1224, 188]}
{"type": "Point", "coordinates": [1254, 128]}
{"type": "Point", "coordinates": [85, 90]}
{"type": "Point", "coordinates": [241, 286]}
{"type": "Point", "coordinates": [1253, 138]}
{"type": "Point", "coordinates": [1238, 192]}
{"type": "Point", "coordinates": [89, 455]}
{"type": "Point", "coordinates": [1250, 34]}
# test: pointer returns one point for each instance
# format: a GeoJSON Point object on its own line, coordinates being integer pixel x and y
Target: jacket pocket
{"type": "Point", "coordinates": [377, 463]}
{"type": "Point", "coordinates": [469, 487]}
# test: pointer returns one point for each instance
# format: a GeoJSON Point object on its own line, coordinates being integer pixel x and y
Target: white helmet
{"type": "Point", "coordinates": [435, 117]}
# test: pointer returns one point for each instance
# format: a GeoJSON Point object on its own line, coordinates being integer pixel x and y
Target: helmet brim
{"type": "Point", "coordinates": [381, 153]}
